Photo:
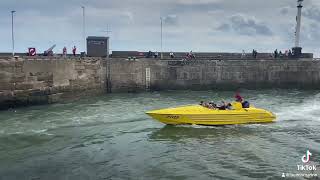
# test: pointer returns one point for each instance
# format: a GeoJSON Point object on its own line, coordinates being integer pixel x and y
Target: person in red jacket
{"type": "Point", "coordinates": [238, 97]}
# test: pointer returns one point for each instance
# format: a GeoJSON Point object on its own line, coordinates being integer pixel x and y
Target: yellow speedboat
{"type": "Point", "coordinates": [199, 115]}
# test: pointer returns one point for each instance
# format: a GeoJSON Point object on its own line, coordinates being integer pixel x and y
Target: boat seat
{"type": "Point", "coordinates": [236, 105]}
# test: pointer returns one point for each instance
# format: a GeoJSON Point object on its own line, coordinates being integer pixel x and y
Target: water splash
{"type": "Point", "coordinates": [306, 109]}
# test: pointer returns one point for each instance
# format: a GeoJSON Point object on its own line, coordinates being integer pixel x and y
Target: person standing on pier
{"type": "Point", "coordinates": [286, 53]}
{"type": "Point", "coordinates": [64, 52]}
{"type": "Point", "coordinates": [276, 54]}
{"type": "Point", "coordinates": [280, 54]}
{"type": "Point", "coordinates": [254, 53]}
{"type": "Point", "coordinates": [156, 54]}
{"type": "Point", "coordinates": [290, 53]}
{"type": "Point", "coordinates": [243, 55]}
{"type": "Point", "coordinates": [74, 50]}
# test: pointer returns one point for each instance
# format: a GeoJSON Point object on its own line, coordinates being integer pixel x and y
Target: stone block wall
{"type": "Point", "coordinates": [26, 81]}
{"type": "Point", "coordinates": [205, 55]}
{"type": "Point", "coordinates": [131, 75]}
{"type": "Point", "coordinates": [126, 76]}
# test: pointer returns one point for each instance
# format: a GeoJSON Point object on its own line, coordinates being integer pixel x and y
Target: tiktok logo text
{"type": "Point", "coordinates": [306, 158]}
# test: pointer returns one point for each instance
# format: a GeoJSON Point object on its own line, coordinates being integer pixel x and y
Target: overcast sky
{"type": "Point", "coordinates": [198, 25]}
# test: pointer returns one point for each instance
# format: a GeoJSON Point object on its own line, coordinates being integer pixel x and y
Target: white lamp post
{"type": "Point", "coordinates": [298, 27]}
{"type": "Point", "coordinates": [84, 28]}
{"type": "Point", "coordinates": [12, 32]}
{"type": "Point", "coordinates": [297, 49]}
{"type": "Point", "coordinates": [161, 55]}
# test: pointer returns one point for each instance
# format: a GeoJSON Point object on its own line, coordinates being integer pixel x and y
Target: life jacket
{"type": "Point", "coordinates": [245, 104]}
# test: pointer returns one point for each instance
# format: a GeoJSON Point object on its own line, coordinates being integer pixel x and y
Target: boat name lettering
{"type": "Point", "coordinates": [173, 117]}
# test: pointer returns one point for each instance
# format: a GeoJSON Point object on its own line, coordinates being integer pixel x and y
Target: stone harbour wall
{"type": "Point", "coordinates": [25, 81]}
{"type": "Point", "coordinates": [131, 75]}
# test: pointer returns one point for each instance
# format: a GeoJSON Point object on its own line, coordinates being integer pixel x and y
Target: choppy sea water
{"type": "Point", "coordinates": [110, 137]}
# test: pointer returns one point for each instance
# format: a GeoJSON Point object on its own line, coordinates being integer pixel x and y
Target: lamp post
{"type": "Point", "coordinates": [107, 31]}
{"type": "Point", "coordinates": [12, 32]}
{"type": "Point", "coordinates": [84, 28]}
{"type": "Point", "coordinates": [108, 36]}
{"type": "Point", "coordinates": [161, 55]}
{"type": "Point", "coordinates": [297, 49]}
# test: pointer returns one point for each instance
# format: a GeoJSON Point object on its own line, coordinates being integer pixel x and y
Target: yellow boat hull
{"type": "Point", "coordinates": [200, 115]}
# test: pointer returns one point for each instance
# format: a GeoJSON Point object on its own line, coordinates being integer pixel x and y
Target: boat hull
{"type": "Point", "coordinates": [203, 116]}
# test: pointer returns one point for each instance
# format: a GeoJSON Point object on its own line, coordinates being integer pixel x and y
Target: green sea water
{"type": "Point", "coordinates": [110, 137]}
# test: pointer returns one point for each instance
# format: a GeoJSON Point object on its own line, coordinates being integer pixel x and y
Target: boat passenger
{"type": "Point", "coordinates": [204, 104]}
{"type": "Point", "coordinates": [201, 103]}
{"type": "Point", "coordinates": [212, 105]}
{"type": "Point", "coordinates": [222, 106]}
{"type": "Point", "coordinates": [238, 97]}
{"type": "Point", "coordinates": [208, 105]}
{"type": "Point", "coordinates": [229, 106]}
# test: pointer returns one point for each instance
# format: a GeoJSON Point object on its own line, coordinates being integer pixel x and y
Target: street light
{"type": "Point", "coordinates": [108, 36]}
{"type": "Point", "coordinates": [12, 35]}
{"type": "Point", "coordinates": [297, 50]}
{"type": "Point", "coordinates": [298, 26]}
{"type": "Point", "coordinates": [107, 31]}
{"type": "Point", "coordinates": [161, 56]}
{"type": "Point", "coordinates": [84, 28]}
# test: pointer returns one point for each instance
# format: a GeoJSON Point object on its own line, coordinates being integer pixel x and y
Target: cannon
{"type": "Point", "coordinates": [49, 51]}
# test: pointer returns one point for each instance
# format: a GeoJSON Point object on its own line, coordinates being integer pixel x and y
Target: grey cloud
{"type": "Point", "coordinates": [171, 19]}
{"type": "Point", "coordinates": [245, 25]}
{"type": "Point", "coordinates": [312, 13]}
{"type": "Point", "coordinates": [284, 10]}
{"type": "Point", "coordinates": [314, 31]}
{"type": "Point", "coordinates": [194, 7]}
{"type": "Point", "coordinates": [223, 27]}
{"type": "Point", "coordinates": [43, 7]}
{"type": "Point", "coordinates": [310, 32]}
